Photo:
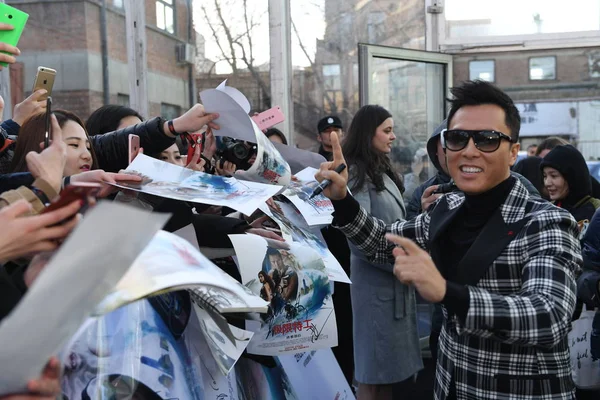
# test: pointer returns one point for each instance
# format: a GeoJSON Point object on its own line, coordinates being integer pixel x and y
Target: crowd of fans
{"type": "Point", "coordinates": [500, 332]}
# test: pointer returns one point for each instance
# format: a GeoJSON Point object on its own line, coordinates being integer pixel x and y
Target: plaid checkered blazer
{"type": "Point", "coordinates": [520, 273]}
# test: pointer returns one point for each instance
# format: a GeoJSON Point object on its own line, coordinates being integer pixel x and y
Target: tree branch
{"type": "Point", "coordinates": [216, 37]}
{"type": "Point", "coordinates": [315, 70]}
{"type": "Point", "coordinates": [228, 35]}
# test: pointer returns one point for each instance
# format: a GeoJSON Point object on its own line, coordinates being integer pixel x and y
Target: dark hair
{"type": "Point", "coordinates": [475, 93]}
{"type": "Point", "coordinates": [32, 134]}
{"type": "Point", "coordinates": [358, 149]}
{"type": "Point", "coordinates": [550, 143]}
{"type": "Point", "coordinates": [276, 132]}
{"type": "Point", "coordinates": [107, 119]}
{"type": "Point", "coordinates": [268, 279]}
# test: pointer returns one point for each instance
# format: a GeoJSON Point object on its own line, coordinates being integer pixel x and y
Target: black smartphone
{"type": "Point", "coordinates": [48, 136]}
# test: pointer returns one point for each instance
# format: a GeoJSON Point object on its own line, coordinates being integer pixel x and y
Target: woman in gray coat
{"type": "Point", "coordinates": [386, 341]}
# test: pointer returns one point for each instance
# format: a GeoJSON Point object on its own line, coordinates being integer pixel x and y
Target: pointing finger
{"type": "Point", "coordinates": [338, 156]}
{"type": "Point", "coordinates": [408, 245]}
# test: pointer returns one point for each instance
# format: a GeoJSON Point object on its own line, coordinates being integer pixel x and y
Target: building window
{"type": "Point", "coordinates": [542, 68]}
{"type": "Point", "coordinates": [331, 76]}
{"type": "Point", "coordinates": [118, 3]}
{"type": "Point", "coordinates": [165, 15]}
{"type": "Point", "coordinates": [375, 26]}
{"type": "Point", "coordinates": [332, 97]}
{"type": "Point", "coordinates": [123, 99]}
{"type": "Point", "coordinates": [483, 70]}
{"type": "Point", "coordinates": [169, 111]}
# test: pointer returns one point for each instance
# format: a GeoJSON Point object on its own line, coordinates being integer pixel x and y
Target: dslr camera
{"type": "Point", "coordinates": [238, 152]}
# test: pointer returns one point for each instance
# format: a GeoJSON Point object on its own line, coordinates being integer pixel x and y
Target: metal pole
{"type": "Point", "coordinates": [280, 35]}
{"type": "Point", "coordinates": [135, 21]}
{"type": "Point", "coordinates": [104, 50]}
{"type": "Point", "coordinates": [191, 74]}
{"type": "Point", "coordinates": [5, 90]}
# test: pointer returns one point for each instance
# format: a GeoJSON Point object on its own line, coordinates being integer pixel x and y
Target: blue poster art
{"type": "Point", "coordinates": [136, 351]}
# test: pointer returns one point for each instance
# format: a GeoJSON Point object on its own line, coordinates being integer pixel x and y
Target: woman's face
{"type": "Point", "coordinates": [128, 121]}
{"type": "Point", "coordinates": [79, 157]}
{"type": "Point", "coordinates": [555, 184]}
{"type": "Point", "coordinates": [261, 278]}
{"type": "Point", "coordinates": [172, 156]}
{"type": "Point", "coordinates": [384, 136]}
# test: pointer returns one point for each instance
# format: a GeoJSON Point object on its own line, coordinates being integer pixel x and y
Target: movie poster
{"type": "Point", "coordinates": [269, 167]}
{"type": "Point", "coordinates": [292, 278]}
{"type": "Point", "coordinates": [171, 181]}
{"type": "Point", "coordinates": [169, 262]}
{"type": "Point", "coordinates": [136, 351]}
{"type": "Point", "coordinates": [321, 369]}
{"type": "Point", "coordinates": [316, 211]}
{"type": "Point", "coordinates": [294, 229]}
{"type": "Point", "coordinates": [258, 382]}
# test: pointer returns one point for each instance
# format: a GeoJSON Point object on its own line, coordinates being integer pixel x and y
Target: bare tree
{"type": "Point", "coordinates": [235, 45]}
{"type": "Point", "coordinates": [316, 71]}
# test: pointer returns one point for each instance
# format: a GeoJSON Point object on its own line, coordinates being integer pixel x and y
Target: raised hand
{"type": "Point", "coordinates": [5, 47]}
{"type": "Point", "coordinates": [50, 163]}
{"type": "Point", "coordinates": [22, 235]}
{"type": "Point", "coordinates": [193, 120]}
{"type": "Point", "coordinates": [106, 178]}
{"type": "Point", "coordinates": [428, 197]}
{"type": "Point", "coordinates": [196, 163]}
{"type": "Point", "coordinates": [32, 105]}
{"type": "Point", "coordinates": [337, 190]}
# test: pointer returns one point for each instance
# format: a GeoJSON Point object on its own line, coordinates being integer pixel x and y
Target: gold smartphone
{"type": "Point", "coordinates": [44, 79]}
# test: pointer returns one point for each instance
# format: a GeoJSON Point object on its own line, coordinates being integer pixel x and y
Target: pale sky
{"type": "Point", "coordinates": [308, 16]}
{"type": "Point", "coordinates": [516, 16]}
{"type": "Point", "coordinates": [507, 17]}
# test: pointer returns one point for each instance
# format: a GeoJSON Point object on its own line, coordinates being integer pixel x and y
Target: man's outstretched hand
{"type": "Point", "coordinates": [337, 189]}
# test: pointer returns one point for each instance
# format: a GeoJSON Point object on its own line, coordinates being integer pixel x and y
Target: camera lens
{"type": "Point", "coordinates": [9, 16]}
{"type": "Point", "coordinates": [240, 151]}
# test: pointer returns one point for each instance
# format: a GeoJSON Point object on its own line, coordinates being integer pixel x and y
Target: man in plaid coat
{"type": "Point", "coordinates": [502, 264]}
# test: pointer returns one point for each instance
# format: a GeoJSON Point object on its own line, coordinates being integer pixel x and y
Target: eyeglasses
{"type": "Point", "coordinates": [487, 141]}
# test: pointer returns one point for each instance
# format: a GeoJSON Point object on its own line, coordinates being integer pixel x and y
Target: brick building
{"type": "Point", "coordinates": [66, 35]}
{"type": "Point", "coordinates": [557, 90]}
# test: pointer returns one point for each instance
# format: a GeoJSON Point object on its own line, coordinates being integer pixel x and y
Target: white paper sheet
{"type": "Point", "coordinates": [233, 119]}
{"type": "Point", "coordinates": [270, 166]}
{"type": "Point", "coordinates": [85, 268]}
{"type": "Point", "coordinates": [180, 183]}
{"type": "Point", "coordinates": [301, 315]}
{"type": "Point", "coordinates": [170, 262]}
{"type": "Point", "coordinates": [224, 352]}
{"type": "Point", "coordinates": [299, 159]}
{"type": "Point", "coordinates": [321, 369]}
{"type": "Point", "coordinates": [316, 211]}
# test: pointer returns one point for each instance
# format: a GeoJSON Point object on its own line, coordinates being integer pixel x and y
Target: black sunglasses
{"type": "Point", "coordinates": [487, 141]}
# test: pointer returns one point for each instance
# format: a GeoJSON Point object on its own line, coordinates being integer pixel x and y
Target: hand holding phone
{"type": "Point", "coordinates": [195, 145]}
{"type": "Point", "coordinates": [9, 38]}
{"type": "Point", "coordinates": [75, 191]}
{"type": "Point", "coordinates": [134, 147]}
{"type": "Point", "coordinates": [44, 79]}
{"type": "Point", "coordinates": [48, 133]}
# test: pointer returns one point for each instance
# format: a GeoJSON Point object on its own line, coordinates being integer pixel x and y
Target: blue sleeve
{"type": "Point", "coordinates": [11, 127]}
{"type": "Point", "coordinates": [14, 181]}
